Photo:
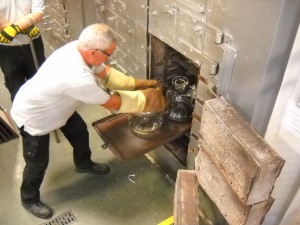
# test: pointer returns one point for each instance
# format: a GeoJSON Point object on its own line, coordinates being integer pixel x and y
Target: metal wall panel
{"type": "Point", "coordinates": [89, 12]}
{"type": "Point", "coordinates": [55, 25]}
{"type": "Point", "coordinates": [261, 32]}
{"type": "Point", "coordinates": [128, 19]}
{"type": "Point", "coordinates": [180, 27]}
{"type": "Point", "coordinates": [75, 16]}
{"type": "Point", "coordinates": [62, 22]}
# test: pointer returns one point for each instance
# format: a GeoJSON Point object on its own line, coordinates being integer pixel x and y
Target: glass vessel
{"type": "Point", "coordinates": [180, 100]}
{"type": "Point", "coordinates": [145, 124]}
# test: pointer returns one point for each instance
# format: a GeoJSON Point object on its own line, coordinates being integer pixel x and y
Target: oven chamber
{"type": "Point", "coordinates": [238, 50]}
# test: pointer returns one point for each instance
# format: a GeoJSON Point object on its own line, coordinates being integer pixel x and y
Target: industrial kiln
{"type": "Point", "coordinates": [237, 50]}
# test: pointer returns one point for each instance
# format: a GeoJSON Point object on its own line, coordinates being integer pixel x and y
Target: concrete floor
{"type": "Point", "coordinates": [135, 192]}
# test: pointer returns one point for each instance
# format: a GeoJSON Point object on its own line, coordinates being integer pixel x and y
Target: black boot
{"type": "Point", "coordinates": [95, 168]}
{"type": "Point", "coordinates": [38, 209]}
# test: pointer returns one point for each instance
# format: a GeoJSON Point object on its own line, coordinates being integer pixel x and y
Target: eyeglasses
{"type": "Point", "coordinates": [104, 52]}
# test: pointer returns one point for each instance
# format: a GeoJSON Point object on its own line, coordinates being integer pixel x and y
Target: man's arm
{"type": "Point", "coordinates": [29, 20]}
{"type": "Point", "coordinates": [4, 23]}
{"type": "Point", "coordinates": [25, 25]}
{"type": "Point", "coordinates": [113, 103]}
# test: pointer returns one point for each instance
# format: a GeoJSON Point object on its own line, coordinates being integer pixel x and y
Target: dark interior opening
{"type": "Point", "coordinates": [165, 64]}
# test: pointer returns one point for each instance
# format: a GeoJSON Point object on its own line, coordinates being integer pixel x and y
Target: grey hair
{"type": "Point", "coordinates": [96, 36]}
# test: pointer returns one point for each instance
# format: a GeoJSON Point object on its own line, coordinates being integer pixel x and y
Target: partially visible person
{"type": "Point", "coordinates": [19, 20]}
{"type": "Point", "coordinates": [48, 101]}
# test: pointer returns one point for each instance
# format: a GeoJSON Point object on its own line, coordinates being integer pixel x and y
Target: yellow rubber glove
{"type": "Point", "coordinates": [132, 101]}
{"type": "Point", "coordinates": [9, 33]}
{"type": "Point", "coordinates": [119, 81]}
{"type": "Point", "coordinates": [148, 100]}
{"type": "Point", "coordinates": [33, 32]}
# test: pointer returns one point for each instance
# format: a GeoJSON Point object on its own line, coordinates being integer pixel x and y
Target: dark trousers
{"type": "Point", "coordinates": [36, 155]}
{"type": "Point", "coordinates": [17, 64]}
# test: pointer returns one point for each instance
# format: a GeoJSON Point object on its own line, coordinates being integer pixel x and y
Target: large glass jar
{"type": "Point", "coordinates": [145, 124]}
{"type": "Point", "coordinates": [180, 100]}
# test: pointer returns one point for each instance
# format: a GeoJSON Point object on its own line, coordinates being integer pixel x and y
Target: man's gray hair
{"type": "Point", "coordinates": [96, 36]}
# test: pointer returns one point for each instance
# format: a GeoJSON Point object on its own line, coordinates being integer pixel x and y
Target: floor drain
{"type": "Point", "coordinates": [64, 218]}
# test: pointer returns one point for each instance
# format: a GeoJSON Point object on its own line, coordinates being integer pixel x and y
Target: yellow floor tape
{"type": "Point", "coordinates": [169, 221]}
